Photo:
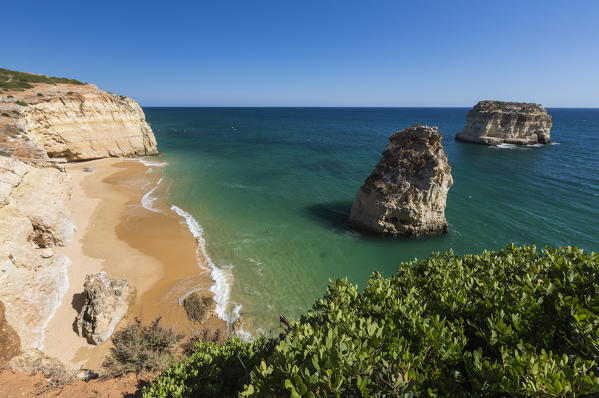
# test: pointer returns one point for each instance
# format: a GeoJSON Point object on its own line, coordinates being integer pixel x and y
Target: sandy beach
{"type": "Point", "coordinates": [151, 248]}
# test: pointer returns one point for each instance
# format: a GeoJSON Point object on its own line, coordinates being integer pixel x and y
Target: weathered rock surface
{"type": "Point", "coordinates": [405, 195]}
{"type": "Point", "coordinates": [107, 302]}
{"type": "Point", "coordinates": [199, 307]}
{"type": "Point", "coordinates": [497, 122]}
{"type": "Point", "coordinates": [73, 122]}
{"type": "Point", "coordinates": [10, 344]}
{"type": "Point", "coordinates": [33, 217]}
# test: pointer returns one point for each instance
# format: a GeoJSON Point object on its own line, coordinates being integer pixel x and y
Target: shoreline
{"type": "Point", "coordinates": [127, 231]}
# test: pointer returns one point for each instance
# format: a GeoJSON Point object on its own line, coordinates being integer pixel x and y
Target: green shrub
{"type": "Point", "coordinates": [5, 114]}
{"type": "Point", "coordinates": [504, 323]}
{"type": "Point", "coordinates": [21, 103]}
{"type": "Point", "coordinates": [138, 347]}
{"type": "Point", "coordinates": [70, 93]}
{"type": "Point", "coordinates": [214, 370]}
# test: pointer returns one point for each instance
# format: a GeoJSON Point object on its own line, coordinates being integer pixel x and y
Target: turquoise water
{"type": "Point", "coordinates": [272, 189]}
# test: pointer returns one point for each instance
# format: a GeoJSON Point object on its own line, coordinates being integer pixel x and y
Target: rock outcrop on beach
{"type": "Point", "coordinates": [107, 302]}
{"type": "Point", "coordinates": [34, 218]}
{"type": "Point", "coordinates": [497, 122]}
{"type": "Point", "coordinates": [405, 194]}
{"type": "Point", "coordinates": [72, 122]}
{"type": "Point", "coordinates": [199, 307]}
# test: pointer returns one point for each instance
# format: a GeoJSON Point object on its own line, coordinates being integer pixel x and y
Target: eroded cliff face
{"type": "Point", "coordinates": [406, 193]}
{"type": "Point", "coordinates": [497, 122]}
{"type": "Point", "coordinates": [34, 218]}
{"type": "Point", "coordinates": [73, 122]}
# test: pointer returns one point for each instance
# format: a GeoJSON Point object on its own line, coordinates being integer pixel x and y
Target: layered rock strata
{"type": "Point", "coordinates": [405, 195]}
{"type": "Point", "coordinates": [34, 218]}
{"type": "Point", "coordinates": [496, 122]}
{"type": "Point", "coordinates": [107, 302]}
{"type": "Point", "coordinates": [73, 122]}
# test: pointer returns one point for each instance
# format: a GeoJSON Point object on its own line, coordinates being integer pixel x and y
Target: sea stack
{"type": "Point", "coordinates": [497, 122]}
{"type": "Point", "coordinates": [406, 193]}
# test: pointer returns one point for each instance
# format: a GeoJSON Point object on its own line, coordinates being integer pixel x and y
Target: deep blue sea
{"type": "Point", "coordinates": [272, 188]}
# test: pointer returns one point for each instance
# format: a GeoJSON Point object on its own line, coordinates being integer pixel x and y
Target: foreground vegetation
{"type": "Point", "coordinates": [504, 323]}
{"type": "Point", "coordinates": [13, 80]}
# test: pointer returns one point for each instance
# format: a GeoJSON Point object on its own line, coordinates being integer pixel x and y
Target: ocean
{"type": "Point", "coordinates": [267, 192]}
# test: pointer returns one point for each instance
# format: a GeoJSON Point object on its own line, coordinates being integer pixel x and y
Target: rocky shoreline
{"type": "Point", "coordinates": [40, 128]}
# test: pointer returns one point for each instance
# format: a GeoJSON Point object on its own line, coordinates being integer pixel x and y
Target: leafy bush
{"type": "Point", "coordinates": [40, 94]}
{"type": "Point", "coordinates": [505, 323]}
{"type": "Point", "coordinates": [214, 336]}
{"type": "Point", "coordinates": [138, 347]}
{"type": "Point", "coordinates": [21, 103]}
{"type": "Point", "coordinates": [212, 371]}
{"type": "Point", "coordinates": [5, 114]}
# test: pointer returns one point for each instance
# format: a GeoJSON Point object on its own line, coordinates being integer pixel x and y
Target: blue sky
{"type": "Point", "coordinates": [314, 53]}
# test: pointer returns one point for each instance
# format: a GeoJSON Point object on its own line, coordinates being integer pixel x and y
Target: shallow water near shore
{"type": "Point", "coordinates": [272, 188]}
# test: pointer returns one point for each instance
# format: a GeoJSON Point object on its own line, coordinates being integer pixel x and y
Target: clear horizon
{"type": "Point", "coordinates": [337, 54]}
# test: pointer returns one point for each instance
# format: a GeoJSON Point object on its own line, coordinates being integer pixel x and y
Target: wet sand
{"type": "Point", "coordinates": [153, 250]}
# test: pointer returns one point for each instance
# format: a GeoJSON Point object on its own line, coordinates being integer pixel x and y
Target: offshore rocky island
{"type": "Point", "coordinates": [498, 122]}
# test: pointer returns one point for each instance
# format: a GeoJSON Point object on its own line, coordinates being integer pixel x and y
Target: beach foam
{"type": "Point", "coordinates": [221, 276]}
{"type": "Point", "coordinates": [152, 163]}
{"type": "Point", "coordinates": [147, 201]}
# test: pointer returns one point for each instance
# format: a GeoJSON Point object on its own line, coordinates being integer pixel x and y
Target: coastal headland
{"type": "Point", "coordinates": [76, 199]}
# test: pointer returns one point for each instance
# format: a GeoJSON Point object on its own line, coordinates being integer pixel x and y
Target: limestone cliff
{"type": "Point", "coordinates": [72, 122]}
{"type": "Point", "coordinates": [405, 194]}
{"type": "Point", "coordinates": [496, 122]}
{"type": "Point", "coordinates": [34, 218]}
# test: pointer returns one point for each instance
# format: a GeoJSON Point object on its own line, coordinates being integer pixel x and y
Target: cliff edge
{"type": "Point", "coordinates": [497, 122]}
{"type": "Point", "coordinates": [45, 121]}
{"type": "Point", "coordinates": [71, 121]}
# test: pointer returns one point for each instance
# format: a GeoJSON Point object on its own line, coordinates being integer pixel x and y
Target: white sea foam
{"type": "Point", "coordinates": [505, 146]}
{"type": "Point", "coordinates": [221, 276]}
{"type": "Point", "coordinates": [148, 200]}
{"type": "Point", "coordinates": [153, 163]}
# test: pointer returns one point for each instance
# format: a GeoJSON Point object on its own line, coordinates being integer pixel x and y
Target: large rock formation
{"type": "Point", "coordinates": [44, 121]}
{"type": "Point", "coordinates": [496, 122]}
{"type": "Point", "coordinates": [34, 217]}
{"type": "Point", "coordinates": [107, 302]}
{"type": "Point", "coordinates": [73, 122]}
{"type": "Point", "coordinates": [406, 192]}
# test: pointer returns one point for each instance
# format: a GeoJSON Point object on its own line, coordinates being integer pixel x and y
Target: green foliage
{"type": "Point", "coordinates": [5, 114]}
{"type": "Point", "coordinates": [70, 93]}
{"type": "Point", "coordinates": [40, 94]}
{"type": "Point", "coordinates": [138, 347]}
{"type": "Point", "coordinates": [13, 80]}
{"type": "Point", "coordinates": [505, 323]}
{"type": "Point", "coordinates": [214, 370]}
{"type": "Point", "coordinates": [21, 103]}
